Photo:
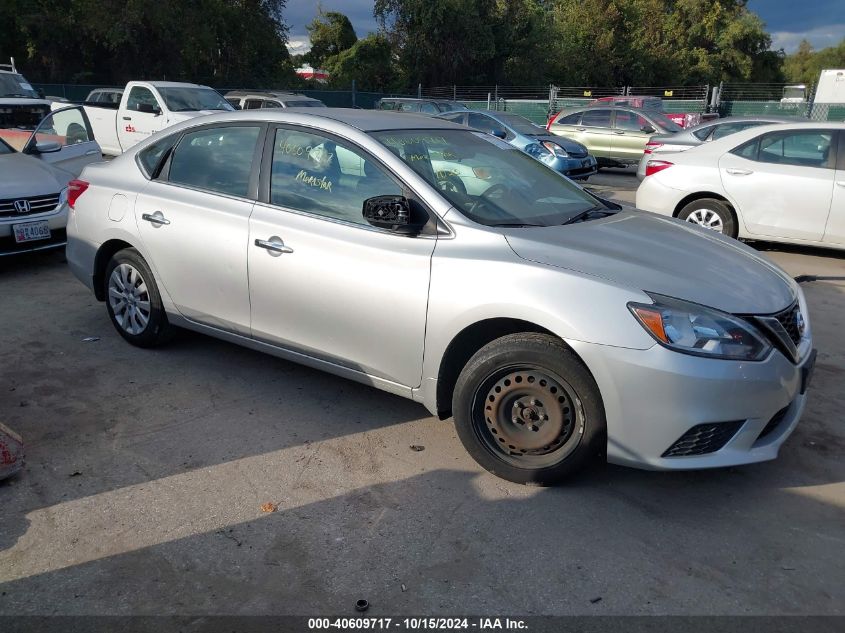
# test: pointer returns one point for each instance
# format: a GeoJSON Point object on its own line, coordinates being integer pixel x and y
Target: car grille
{"type": "Point", "coordinates": [785, 329]}
{"type": "Point", "coordinates": [789, 320]}
{"type": "Point", "coordinates": [703, 438]}
{"type": "Point", "coordinates": [37, 204]}
{"type": "Point", "coordinates": [777, 418]}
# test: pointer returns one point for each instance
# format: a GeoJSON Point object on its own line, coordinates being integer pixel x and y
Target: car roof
{"type": "Point", "coordinates": [378, 120]}
{"type": "Point", "coordinates": [171, 84]}
{"type": "Point", "coordinates": [267, 93]}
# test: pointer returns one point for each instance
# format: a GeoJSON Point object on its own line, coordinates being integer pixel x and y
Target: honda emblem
{"type": "Point", "coordinates": [22, 206]}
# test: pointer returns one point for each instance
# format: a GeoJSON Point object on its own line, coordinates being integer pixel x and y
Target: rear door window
{"type": "Point", "coordinates": [216, 159]}
{"type": "Point", "coordinates": [804, 148]}
{"type": "Point", "coordinates": [570, 119]}
{"type": "Point", "coordinates": [629, 121]}
{"type": "Point", "coordinates": [596, 118]}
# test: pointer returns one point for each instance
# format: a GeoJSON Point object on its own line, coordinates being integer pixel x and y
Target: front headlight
{"type": "Point", "coordinates": [63, 197]}
{"type": "Point", "coordinates": [555, 149]}
{"type": "Point", "coordinates": [694, 329]}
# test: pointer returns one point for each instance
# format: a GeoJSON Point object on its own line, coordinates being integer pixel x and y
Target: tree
{"type": "Point", "coordinates": [369, 62]}
{"type": "Point", "coordinates": [805, 64]}
{"type": "Point", "coordinates": [331, 33]}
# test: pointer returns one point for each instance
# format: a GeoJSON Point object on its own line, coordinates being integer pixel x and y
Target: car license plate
{"type": "Point", "coordinates": [31, 231]}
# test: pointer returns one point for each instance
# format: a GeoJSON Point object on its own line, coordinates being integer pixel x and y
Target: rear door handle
{"type": "Point", "coordinates": [274, 245]}
{"type": "Point", "coordinates": [156, 218]}
{"type": "Point", "coordinates": [618, 132]}
{"type": "Point", "coordinates": [739, 172]}
{"type": "Point", "coordinates": [581, 129]}
{"type": "Point", "coordinates": [127, 118]}
{"type": "Point", "coordinates": [840, 183]}
{"type": "Point", "coordinates": [91, 152]}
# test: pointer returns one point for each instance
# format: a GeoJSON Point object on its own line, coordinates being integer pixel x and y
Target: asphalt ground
{"type": "Point", "coordinates": [147, 471]}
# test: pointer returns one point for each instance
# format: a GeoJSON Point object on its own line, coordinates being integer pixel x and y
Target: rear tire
{"type": "Point", "coordinates": [710, 213]}
{"type": "Point", "coordinates": [133, 300]}
{"type": "Point", "coordinates": [527, 409]}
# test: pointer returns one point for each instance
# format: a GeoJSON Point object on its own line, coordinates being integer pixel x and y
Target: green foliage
{"type": "Point", "coordinates": [111, 41]}
{"type": "Point", "coordinates": [331, 33]}
{"type": "Point", "coordinates": [369, 62]}
{"type": "Point", "coordinates": [805, 65]}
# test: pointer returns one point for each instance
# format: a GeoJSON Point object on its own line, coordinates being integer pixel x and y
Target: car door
{"type": "Point", "coordinates": [835, 229]}
{"type": "Point", "coordinates": [629, 135]}
{"type": "Point", "coordinates": [782, 182]}
{"type": "Point", "coordinates": [71, 130]}
{"type": "Point", "coordinates": [596, 132]}
{"type": "Point", "coordinates": [140, 118]}
{"type": "Point", "coordinates": [194, 223]}
{"type": "Point", "coordinates": [322, 281]}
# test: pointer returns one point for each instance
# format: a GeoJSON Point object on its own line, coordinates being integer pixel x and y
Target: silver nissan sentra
{"type": "Point", "coordinates": [552, 325]}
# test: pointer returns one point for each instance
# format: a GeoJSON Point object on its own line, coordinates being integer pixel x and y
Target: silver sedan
{"type": "Point", "coordinates": [551, 325]}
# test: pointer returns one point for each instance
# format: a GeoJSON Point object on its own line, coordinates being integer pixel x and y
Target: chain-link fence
{"type": "Point", "coordinates": [537, 103]}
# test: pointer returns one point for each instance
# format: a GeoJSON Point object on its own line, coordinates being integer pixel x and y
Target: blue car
{"type": "Point", "coordinates": [561, 154]}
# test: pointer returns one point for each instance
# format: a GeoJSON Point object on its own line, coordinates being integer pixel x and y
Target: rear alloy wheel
{"type": "Point", "coordinates": [711, 214]}
{"type": "Point", "coordinates": [133, 301]}
{"type": "Point", "coordinates": [528, 410]}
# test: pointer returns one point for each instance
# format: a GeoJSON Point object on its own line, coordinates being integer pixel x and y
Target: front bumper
{"type": "Point", "coordinates": [56, 220]}
{"type": "Point", "coordinates": [654, 397]}
{"type": "Point", "coordinates": [575, 168]}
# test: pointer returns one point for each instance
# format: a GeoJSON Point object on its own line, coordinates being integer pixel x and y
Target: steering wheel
{"type": "Point", "coordinates": [491, 194]}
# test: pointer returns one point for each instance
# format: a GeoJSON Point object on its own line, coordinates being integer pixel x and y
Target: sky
{"type": "Point", "coordinates": [822, 22]}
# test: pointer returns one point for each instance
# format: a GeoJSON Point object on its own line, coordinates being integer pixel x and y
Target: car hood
{"type": "Point", "coordinates": [653, 253]}
{"type": "Point", "coordinates": [568, 144]}
{"type": "Point", "coordinates": [25, 176]}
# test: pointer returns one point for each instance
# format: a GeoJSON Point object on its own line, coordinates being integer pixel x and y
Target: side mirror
{"type": "Point", "coordinates": [147, 108]}
{"type": "Point", "coordinates": [47, 147]}
{"type": "Point", "coordinates": [648, 129]}
{"type": "Point", "coordinates": [499, 134]}
{"type": "Point", "coordinates": [392, 213]}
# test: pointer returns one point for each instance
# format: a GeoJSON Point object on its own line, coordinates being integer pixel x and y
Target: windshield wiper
{"type": "Point", "coordinates": [515, 224]}
{"type": "Point", "coordinates": [18, 94]}
{"type": "Point", "coordinates": [584, 214]}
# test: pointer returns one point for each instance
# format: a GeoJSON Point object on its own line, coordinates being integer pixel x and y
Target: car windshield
{"type": "Point", "coordinates": [305, 104]}
{"type": "Point", "coordinates": [665, 122]}
{"type": "Point", "coordinates": [13, 85]}
{"type": "Point", "coordinates": [193, 99]}
{"type": "Point", "coordinates": [521, 125]}
{"type": "Point", "coordinates": [5, 149]}
{"type": "Point", "coordinates": [488, 180]}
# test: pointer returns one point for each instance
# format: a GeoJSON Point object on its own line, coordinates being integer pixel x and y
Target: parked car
{"type": "Point", "coordinates": [654, 104]}
{"type": "Point", "coordinates": [704, 133]}
{"type": "Point", "coordinates": [105, 95]}
{"type": "Point", "coordinates": [423, 106]}
{"type": "Point", "coordinates": [615, 136]}
{"type": "Point", "coordinates": [561, 154]}
{"type": "Point", "coordinates": [255, 99]}
{"type": "Point", "coordinates": [780, 183]}
{"type": "Point", "coordinates": [21, 105]}
{"type": "Point", "coordinates": [146, 107]}
{"type": "Point", "coordinates": [538, 316]}
{"type": "Point", "coordinates": [34, 180]}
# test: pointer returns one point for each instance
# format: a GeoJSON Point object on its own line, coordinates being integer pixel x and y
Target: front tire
{"type": "Point", "coordinates": [710, 213]}
{"type": "Point", "coordinates": [133, 300]}
{"type": "Point", "coordinates": [527, 409]}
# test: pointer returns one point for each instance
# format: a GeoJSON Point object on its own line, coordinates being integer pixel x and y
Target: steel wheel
{"type": "Point", "coordinates": [529, 417]}
{"type": "Point", "coordinates": [707, 218]}
{"type": "Point", "coordinates": [129, 299]}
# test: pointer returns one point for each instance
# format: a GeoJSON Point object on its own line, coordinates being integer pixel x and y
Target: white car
{"type": "Point", "coordinates": [779, 183]}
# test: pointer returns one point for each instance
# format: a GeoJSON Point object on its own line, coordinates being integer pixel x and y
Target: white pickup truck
{"type": "Point", "coordinates": [147, 107]}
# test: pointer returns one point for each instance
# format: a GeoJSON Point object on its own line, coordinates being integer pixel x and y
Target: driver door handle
{"type": "Point", "coordinates": [618, 132]}
{"type": "Point", "coordinates": [580, 129]}
{"type": "Point", "coordinates": [739, 172]}
{"type": "Point", "coordinates": [840, 183]}
{"type": "Point", "coordinates": [276, 247]}
{"type": "Point", "coordinates": [127, 118]}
